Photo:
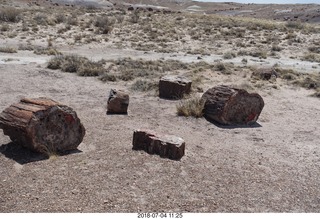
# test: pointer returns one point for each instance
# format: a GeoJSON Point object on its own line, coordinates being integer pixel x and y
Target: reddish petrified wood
{"type": "Point", "coordinates": [43, 125]}
{"type": "Point", "coordinates": [231, 106]}
{"type": "Point", "coordinates": [174, 87]}
{"type": "Point", "coordinates": [169, 146]}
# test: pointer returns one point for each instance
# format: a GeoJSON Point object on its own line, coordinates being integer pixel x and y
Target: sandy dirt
{"type": "Point", "coordinates": [272, 166]}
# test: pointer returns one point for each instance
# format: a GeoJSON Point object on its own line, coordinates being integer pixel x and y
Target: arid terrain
{"type": "Point", "coordinates": [74, 52]}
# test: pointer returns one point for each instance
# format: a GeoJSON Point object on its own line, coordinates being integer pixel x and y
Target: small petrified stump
{"type": "Point", "coordinates": [231, 106]}
{"type": "Point", "coordinates": [42, 125]}
{"type": "Point", "coordinates": [174, 87]}
{"type": "Point", "coordinates": [118, 102]}
{"type": "Point", "coordinates": [265, 73]}
{"type": "Point", "coordinates": [169, 146]}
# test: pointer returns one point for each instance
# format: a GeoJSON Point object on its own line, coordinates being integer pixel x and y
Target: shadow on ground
{"type": "Point", "coordinates": [254, 125]}
{"type": "Point", "coordinates": [23, 155]}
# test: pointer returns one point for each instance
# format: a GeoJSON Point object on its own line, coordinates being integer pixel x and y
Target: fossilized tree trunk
{"type": "Point", "coordinates": [42, 125]}
{"type": "Point", "coordinates": [231, 106]}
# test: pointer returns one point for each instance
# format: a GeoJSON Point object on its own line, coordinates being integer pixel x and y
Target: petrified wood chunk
{"type": "Point", "coordinates": [169, 146]}
{"type": "Point", "coordinates": [174, 87]}
{"type": "Point", "coordinates": [42, 125]}
{"type": "Point", "coordinates": [231, 106]}
{"type": "Point", "coordinates": [118, 102]}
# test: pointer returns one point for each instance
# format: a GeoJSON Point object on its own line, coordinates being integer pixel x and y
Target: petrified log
{"type": "Point", "coordinates": [174, 87]}
{"type": "Point", "coordinates": [231, 106]}
{"type": "Point", "coordinates": [42, 125]}
{"type": "Point", "coordinates": [118, 102]}
{"type": "Point", "coordinates": [169, 146]}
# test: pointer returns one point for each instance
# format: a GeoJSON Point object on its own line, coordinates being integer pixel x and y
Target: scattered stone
{"type": "Point", "coordinates": [231, 106]}
{"type": "Point", "coordinates": [42, 125]}
{"type": "Point", "coordinates": [167, 146]}
{"type": "Point", "coordinates": [174, 87]}
{"type": "Point", "coordinates": [118, 102]}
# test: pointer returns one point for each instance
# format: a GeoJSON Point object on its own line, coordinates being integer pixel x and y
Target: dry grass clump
{"type": "Point", "coordinates": [47, 51]}
{"type": "Point", "coordinates": [76, 64]}
{"type": "Point", "coordinates": [9, 14]}
{"type": "Point", "coordinates": [130, 69]}
{"type": "Point", "coordinates": [295, 25]}
{"type": "Point", "coordinates": [311, 57]}
{"type": "Point", "coordinates": [105, 24]}
{"type": "Point", "coordinates": [224, 68]}
{"type": "Point", "coordinates": [309, 82]}
{"type": "Point", "coordinates": [127, 69]}
{"type": "Point", "coordinates": [191, 107]}
{"type": "Point", "coordinates": [143, 85]}
{"type": "Point", "coordinates": [7, 50]}
{"type": "Point", "coordinates": [262, 54]}
{"type": "Point", "coordinates": [229, 55]}
{"type": "Point", "coordinates": [316, 94]}
{"type": "Point", "coordinates": [288, 74]}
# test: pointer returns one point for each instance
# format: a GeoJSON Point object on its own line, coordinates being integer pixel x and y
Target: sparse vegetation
{"type": "Point", "coordinates": [8, 50]}
{"type": "Point", "coordinates": [143, 85]}
{"type": "Point", "coordinates": [192, 106]}
{"type": "Point", "coordinates": [9, 14]}
{"type": "Point", "coordinates": [311, 57]}
{"type": "Point", "coordinates": [76, 64]}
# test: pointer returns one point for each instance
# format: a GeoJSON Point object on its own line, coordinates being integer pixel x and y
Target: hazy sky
{"type": "Point", "coordinates": [266, 1]}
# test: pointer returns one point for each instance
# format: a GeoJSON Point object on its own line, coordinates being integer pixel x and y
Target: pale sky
{"type": "Point", "coordinates": [266, 1]}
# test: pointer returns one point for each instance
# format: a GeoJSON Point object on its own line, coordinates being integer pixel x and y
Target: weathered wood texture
{"type": "Point", "coordinates": [118, 102]}
{"type": "Point", "coordinates": [231, 106]}
{"type": "Point", "coordinates": [42, 125]}
{"type": "Point", "coordinates": [168, 146]}
{"type": "Point", "coordinates": [174, 87]}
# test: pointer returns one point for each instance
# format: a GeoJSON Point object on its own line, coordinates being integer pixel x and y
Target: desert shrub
{"type": "Point", "coordinates": [287, 74]}
{"type": "Point", "coordinates": [8, 50]}
{"type": "Point", "coordinates": [105, 24]}
{"type": "Point", "coordinates": [276, 48]}
{"type": "Point", "coordinates": [190, 107]}
{"type": "Point", "coordinates": [108, 77]}
{"type": "Point", "coordinates": [5, 27]}
{"type": "Point", "coordinates": [316, 94]}
{"type": "Point", "coordinates": [60, 18]}
{"type": "Point", "coordinates": [229, 55]}
{"type": "Point", "coordinates": [314, 49]}
{"type": "Point", "coordinates": [311, 57]}
{"type": "Point", "coordinates": [90, 68]}
{"type": "Point", "coordinates": [41, 19]}
{"type": "Point", "coordinates": [309, 82]}
{"type": "Point", "coordinates": [135, 17]}
{"type": "Point", "coordinates": [295, 25]}
{"type": "Point", "coordinates": [131, 69]}
{"type": "Point", "coordinates": [10, 14]}
{"type": "Point", "coordinates": [47, 51]}
{"type": "Point", "coordinates": [28, 47]}
{"type": "Point", "coordinates": [72, 21]}
{"type": "Point", "coordinates": [143, 85]}
{"type": "Point", "coordinates": [259, 53]}
{"type": "Point", "coordinates": [76, 64]}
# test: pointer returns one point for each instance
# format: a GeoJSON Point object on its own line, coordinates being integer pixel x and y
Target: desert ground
{"type": "Point", "coordinates": [271, 166]}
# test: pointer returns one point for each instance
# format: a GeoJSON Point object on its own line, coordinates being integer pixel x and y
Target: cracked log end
{"type": "Point", "coordinates": [231, 106]}
{"type": "Point", "coordinates": [42, 125]}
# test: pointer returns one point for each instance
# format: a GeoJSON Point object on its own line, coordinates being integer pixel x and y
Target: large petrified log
{"type": "Point", "coordinates": [169, 146]}
{"type": "Point", "coordinates": [42, 125]}
{"type": "Point", "coordinates": [231, 106]}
